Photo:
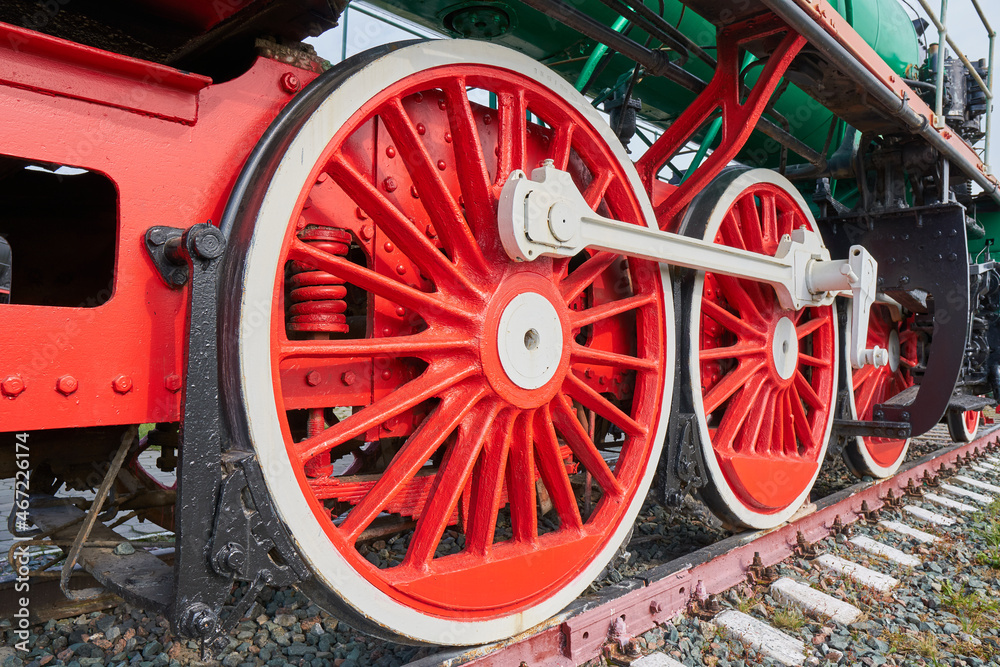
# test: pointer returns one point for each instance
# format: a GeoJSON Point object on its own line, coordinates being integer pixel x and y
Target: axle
{"type": "Point", "coordinates": [545, 215]}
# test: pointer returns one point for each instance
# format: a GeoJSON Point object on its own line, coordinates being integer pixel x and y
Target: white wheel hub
{"type": "Point", "coordinates": [892, 347]}
{"type": "Point", "coordinates": [785, 348]}
{"type": "Point", "coordinates": [530, 340]}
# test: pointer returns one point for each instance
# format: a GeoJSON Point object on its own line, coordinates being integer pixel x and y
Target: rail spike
{"type": "Point", "coordinates": [759, 574]}
{"type": "Point", "coordinates": [893, 501]}
{"type": "Point", "coordinates": [912, 490]}
{"type": "Point", "coordinates": [841, 528]}
{"type": "Point", "coordinates": [804, 549]}
{"type": "Point", "coordinates": [867, 514]}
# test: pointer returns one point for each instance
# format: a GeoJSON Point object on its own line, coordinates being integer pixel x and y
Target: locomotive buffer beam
{"type": "Point", "coordinates": [545, 215]}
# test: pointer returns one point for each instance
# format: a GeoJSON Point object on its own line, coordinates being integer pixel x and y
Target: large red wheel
{"type": "Point", "coordinates": [763, 377]}
{"type": "Point", "coordinates": [870, 386]}
{"type": "Point", "coordinates": [963, 426]}
{"type": "Point", "coordinates": [423, 407]}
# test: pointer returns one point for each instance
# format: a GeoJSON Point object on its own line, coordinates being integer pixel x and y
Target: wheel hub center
{"type": "Point", "coordinates": [785, 348]}
{"type": "Point", "coordinates": [530, 340]}
{"type": "Point", "coordinates": [892, 346]}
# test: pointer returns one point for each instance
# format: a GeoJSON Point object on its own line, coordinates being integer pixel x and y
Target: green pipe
{"type": "Point", "coordinates": [595, 57]}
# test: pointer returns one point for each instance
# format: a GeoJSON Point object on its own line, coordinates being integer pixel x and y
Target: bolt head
{"type": "Point", "coordinates": [67, 384]}
{"type": "Point", "coordinates": [290, 83]}
{"type": "Point", "coordinates": [122, 384]}
{"type": "Point", "coordinates": [12, 386]}
{"type": "Point", "coordinates": [348, 378]}
{"type": "Point", "coordinates": [313, 378]}
{"type": "Point", "coordinates": [172, 382]}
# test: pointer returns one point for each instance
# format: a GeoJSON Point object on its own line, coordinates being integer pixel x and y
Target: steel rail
{"type": "Point", "coordinates": [900, 109]}
{"type": "Point", "coordinates": [580, 632]}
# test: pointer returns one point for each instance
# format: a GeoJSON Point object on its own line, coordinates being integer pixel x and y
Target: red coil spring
{"type": "Point", "coordinates": [317, 297]}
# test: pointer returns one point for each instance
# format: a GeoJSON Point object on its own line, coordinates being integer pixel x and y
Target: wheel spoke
{"type": "Point", "coordinates": [730, 352]}
{"type": "Point", "coordinates": [810, 327]}
{"type": "Point", "coordinates": [769, 216]}
{"type": "Point", "coordinates": [583, 447]}
{"type": "Point", "coordinates": [788, 430]}
{"type": "Point", "coordinates": [487, 486]}
{"type": "Point", "coordinates": [449, 483]}
{"type": "Point", "coordinates": [729, 321]}
{"type": "Point", "coordinates": [475, 179]}
{"type": "Point", "coordinates": [590, 399]}
{"type": "Point", "coordinates": [754, 425]}
{"type": "Point", "coordinates": [728, 385]}
{"type": "Point", "coordinates": [521, 479]}
{"type": "Point", "coordinates": [582, 318]}
{"type": "Point", "coordinates": [735, 292]}
{"type": "Point", "coordinates": [437, 198]}
{"type": "Point", "coordinates": [429, 305]}
{"type": "Point", "coordinates": [397, 226]}
{"type": "Point", "coordinates": [512, 135]}
{"type": "Point", "coordinates": [597, 188]}
{"type": "Point", "coordinates": [864, 399]}
{"type": "Point", "coordinates": [418, 449]}
{"type": "Point", "coordinates": [589, 355]}
{"type": "Point", "coordinates": [562, 143]}
{"type": "Point", "coordinates": [553, 471]}
{"type": "Point", "coordinates": [744, 405]}
{"type": "Point", "coordinates": [429, 384]}
{"type": "Point", "coordinates": [806, 391]}
{"type": "Point", "coordinates": [801, 421]}
{"type": "Point", "coordinates": [585, 274]}
{"type": "Point", "coordinates": [862, 375]}
{"type": "Point", "coordinates": [751, 224]}
{"type": "Point", "coordinates": [815, 362]}
{"type": "Point", "coordinates": [426, 345]}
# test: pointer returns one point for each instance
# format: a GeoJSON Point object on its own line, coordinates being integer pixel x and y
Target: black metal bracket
{"type": "Point", "coordinates": [922, 264]}
{"type": "Point", "coordinates": [226, 528]}
{"type": "Point", "coordinates": [849, 428]}
{"type": "Point", "coordinates": [163, 244]}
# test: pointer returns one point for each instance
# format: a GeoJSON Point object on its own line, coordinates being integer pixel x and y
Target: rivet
{"type": "Point", "coordinates": [441, 165]}
{"type": "Point", "coordinates": [386, 375]}
{"type": "Point", "coordinates": [442, 105]}
{"type": "Point", "coordinates": [400, 311]}
{"type": "Point", "coordinates": [290, 83]}
{"type": "Point", "coordinates": [388, 246]}
{"type": "Point", "coordinates": [487, 119]}
{"type": "Point", "coordinates": [389, 184]}
{"type": "Point", "coordinates": [418, 98]}
{"type": "Point", "coordinates": [413, 192]}
{"type": "Point", "coordinates": [66, 385]}
{"type": "Point", "coordinates": [122, 384]}
{"type": "Point", "coordinates": [421, 129]}
{"type": "Point", "coordinates": [400, 269]}
{"type": "Point", "coordinates": [348, 378]}
{"type": "Point", "coordinates": [12, 386]}
{"type": "Point", "coordinates": [313, 378]}
{"type": "Point", "coordinates": [390, 151]}
{"type": "Point", "coordinates": [447, 137]}
{"type": "Point", "coordinates": [386, 332]}
{"type": "Point", "coordinates": [172, 382]}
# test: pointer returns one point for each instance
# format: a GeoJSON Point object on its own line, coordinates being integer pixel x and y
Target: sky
{"type": "Point", "coordinates": [963, 23]}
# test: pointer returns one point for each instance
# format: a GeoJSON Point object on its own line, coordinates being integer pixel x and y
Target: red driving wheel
{"type": "Point", "coordinates": [461, 441]}
{"type": "Point", "coordinates": [870, 386]}
{"type": "Point", "coordinates": [763, 377]}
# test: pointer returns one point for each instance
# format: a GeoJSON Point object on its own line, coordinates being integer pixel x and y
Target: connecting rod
{"type": "Point", "coordinates": [545, 215]}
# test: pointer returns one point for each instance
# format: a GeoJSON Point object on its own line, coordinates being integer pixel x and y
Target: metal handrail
{"type": "Point", "coordinates": [987, 88]}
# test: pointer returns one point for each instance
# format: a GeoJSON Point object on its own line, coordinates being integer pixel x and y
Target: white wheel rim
{"type": "Point", "coordinates": [256, 381]}
{"type": "Point", "coordinates": [741, 512]}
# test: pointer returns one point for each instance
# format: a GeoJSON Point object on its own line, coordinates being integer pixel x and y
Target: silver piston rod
{"type": "Point", "coordinates": [545, 215]}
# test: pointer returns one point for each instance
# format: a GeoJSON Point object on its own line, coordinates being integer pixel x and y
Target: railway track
{"type": "Point", "coordinates": [642, 607]}
{"type": "Point", "coordinates": [595, 628]}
